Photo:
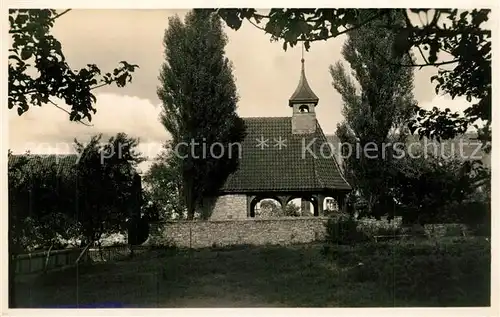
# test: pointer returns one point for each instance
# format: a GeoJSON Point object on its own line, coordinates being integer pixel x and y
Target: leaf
{"type": "Point", "coordinates": [323, 33]}
{"type": "Point", "coordinates": [121, 80]}
{"type": "Point", "coordinates": [26, 53]}
{"type": "Point", "coordinates": [232, 19]}
{"type": "Point", "coordinates": [15, 57]}
{"type": "Point", "coordinates": [412, 128]}
{"type": "Point", "coordinates": [432, 56]}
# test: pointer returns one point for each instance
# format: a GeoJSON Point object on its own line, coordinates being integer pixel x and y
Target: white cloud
{"type": "Point", "coordinates": [442, 102]}
{"type": "Point", "coordinates": [458, 104]}
{"type": "Point", "coordinates": [48, 129]}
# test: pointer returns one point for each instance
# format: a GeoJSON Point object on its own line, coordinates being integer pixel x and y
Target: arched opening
{"type": "Point", "coordinates": [265, 207]}
{"type": "Point", "coordinates": [304, 109]}
{"type": "Point", "coordinates": [303, 206]}
{"type": "Point", "coordinates": [292, 208]}
{"type": "Point", "coordinates": [330, 206]}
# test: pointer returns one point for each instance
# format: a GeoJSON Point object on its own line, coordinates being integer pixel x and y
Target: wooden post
{"type": "Point", "coordinates": [47, 258]}
{"type": "Point", "coordinates": [82, 253]}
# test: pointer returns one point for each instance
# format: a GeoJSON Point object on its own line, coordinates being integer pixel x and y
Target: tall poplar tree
{"type": "Point", "coordinates": [377, 104]}
{"type": "Point", "coordinates": [199, 104]}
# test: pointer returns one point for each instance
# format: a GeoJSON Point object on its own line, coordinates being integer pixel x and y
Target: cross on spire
{"type": "Point", "coordinates": [302, 59]}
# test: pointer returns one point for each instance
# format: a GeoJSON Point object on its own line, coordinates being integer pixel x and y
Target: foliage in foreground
{"type": "Point", "coordinates": [429, 33]}
{"type": "Point", "coordinates": [107, 184]}
{"type": "Point", "coordinates": [49, 203]}
{"type": "Point", "coordinates": [344, 231]}
{"type": "Point", "coordinates": [432, 189]}
{"type": "Point", "coordinates": [33, 46]}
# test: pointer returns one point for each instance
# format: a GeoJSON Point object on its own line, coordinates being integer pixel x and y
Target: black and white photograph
{"type": "Point", "coordinates": [249, 158]}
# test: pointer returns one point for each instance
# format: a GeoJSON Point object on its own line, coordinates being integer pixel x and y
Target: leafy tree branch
{"type": "Point", "coordinates": [35, 48]}
{"type": "Point", "coordinates": [461, 34]}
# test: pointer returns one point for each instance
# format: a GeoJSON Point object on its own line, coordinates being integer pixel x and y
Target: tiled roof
{"type": "Point", "coordinates": [291, 168]}
{"type": "Point", "coordinates": [63, 162]}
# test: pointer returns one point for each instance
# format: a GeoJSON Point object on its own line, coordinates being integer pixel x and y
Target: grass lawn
{"type": "Point", "coordinates": [273, 276]}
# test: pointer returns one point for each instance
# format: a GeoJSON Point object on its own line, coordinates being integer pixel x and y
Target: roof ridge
{"type": "Point", "coordinates": [44, 154]}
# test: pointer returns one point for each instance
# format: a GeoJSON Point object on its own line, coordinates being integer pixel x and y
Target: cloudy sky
{"type": "Point", "coordinates": [265, 75]}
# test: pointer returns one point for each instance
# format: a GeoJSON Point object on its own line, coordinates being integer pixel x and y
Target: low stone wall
{"type": "Point", "coordinates": [372, 226]}
{"type": "Point", "coordinates": [285, 230]}
{"type": "Point", "coordinates": [199, 234]}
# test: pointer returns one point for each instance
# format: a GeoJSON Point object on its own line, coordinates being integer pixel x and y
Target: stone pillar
{"type": "Point", "coordinates": [250, 199]}
{"type": "Point", "coordinates": [342, 203]}
{"type": "Point", "coordinates": [283, 200]}
{"type": "Point", "coordinates": [304, 206]}
{"type": "Point", "coordinates": [319, 201]}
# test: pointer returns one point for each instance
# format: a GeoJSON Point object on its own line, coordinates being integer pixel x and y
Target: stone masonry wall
{"type": "Point", "coordinates": [285, 230]}
{"type": "Point", "coordinates": [230, 207]}
{"type": "Point", "coordinates": [303, 123]}
{"type": "Point", "coordinates": [199, 234]}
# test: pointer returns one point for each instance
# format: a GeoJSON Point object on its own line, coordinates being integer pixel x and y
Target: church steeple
{"type": "Point", "coordinates": [303, 101]}
{"type": "Point", "coordinates": [303, 93]}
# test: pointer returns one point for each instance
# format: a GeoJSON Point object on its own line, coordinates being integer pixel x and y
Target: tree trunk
{"type": "Point", "coordinates": [190, 212]}
{"type": "Point", "coordinates": [188, 195]}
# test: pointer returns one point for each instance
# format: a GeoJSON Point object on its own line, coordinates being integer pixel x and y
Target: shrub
{"type": "Point", "coordinates": [481, 230]}
{"type": "Point", "coordinates": [344, 231]}
{"type": "Point", "coordinates": [415, 230]}
{"type": "Point", "coordinates": [138, 231]}
{"type": "Point", "coordinates": [478, 217]}
{"type": "Point", "coordinates": [291, 210]}
{"type": "Point", "coordinates": [453, 230]}
{"type": "Point", "coordinates": [373, 227]}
